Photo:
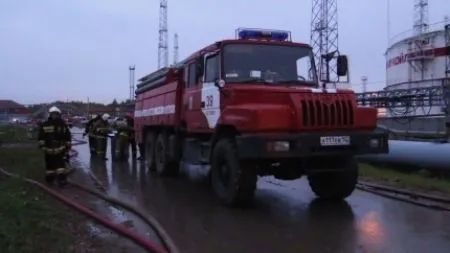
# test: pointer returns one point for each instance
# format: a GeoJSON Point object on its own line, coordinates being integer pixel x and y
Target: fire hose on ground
{"type": "Point", "coordinates": [139, 239]}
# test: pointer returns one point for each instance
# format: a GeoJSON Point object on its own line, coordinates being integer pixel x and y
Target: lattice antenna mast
{"type": "Point", "coordinates": [163, 45]}
{"type": "Point", "coordinates": [324, 38]}
{"type": "Point", "coordinates": [132, 69]}
{"type": "Point", "coordinates": [175, 48]}
{"type": "Point", "coordinates": [364, 83]}
{"type": "Point", "coordinates": [421, 17]}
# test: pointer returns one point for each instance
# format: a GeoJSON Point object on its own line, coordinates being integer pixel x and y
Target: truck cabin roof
{"type": "Point", "coordinates": [218, 44]}
{"type": "Point", "coordinates": [161, 76]}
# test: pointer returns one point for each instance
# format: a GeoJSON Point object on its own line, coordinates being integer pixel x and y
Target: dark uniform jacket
{"type": "Point", "coordinates": [89, 129]}
{"type": "Point", "coordinates": [122, 127]}
{"type": "Point", "coordinates": [130, 122]}
{"type": "Point", "coordinates": [54, 136]}
{"type": "Point", "coordinates": [101, 127]}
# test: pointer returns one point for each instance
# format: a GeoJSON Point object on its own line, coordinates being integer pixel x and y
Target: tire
{"type": "Point", "coordinates": [164, 163]}
{"type": "Point", "coordinates": [150, 140]}
{"type": "Point", "coordinates": [336, 185]}
{"type": "Point", "coordinates": [239, 187]}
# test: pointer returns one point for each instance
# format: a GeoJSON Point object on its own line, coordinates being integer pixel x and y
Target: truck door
{"type": "Point", "coordinates": [191, 98]}
{"type": "Point", "coordinates": [210, 94]}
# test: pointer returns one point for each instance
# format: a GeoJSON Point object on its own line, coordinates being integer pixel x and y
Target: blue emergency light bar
{"type": "Point", "coordinates": [244, 33]}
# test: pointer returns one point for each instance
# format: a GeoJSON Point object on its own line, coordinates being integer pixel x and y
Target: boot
{"type": "Point", "coordinates": [62, 180]}
{"type": "Point", "coordinates": [49, 179]}
{"type": "Point", "coordinates": [141, 152]}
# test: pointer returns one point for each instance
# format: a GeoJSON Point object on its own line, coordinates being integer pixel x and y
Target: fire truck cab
{"type": "Point", "coordinates": [253, 106]}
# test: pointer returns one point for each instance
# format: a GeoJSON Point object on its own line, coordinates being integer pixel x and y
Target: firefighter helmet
{"type": "Point", "coordinates": [54, 109]}
{"type": "Point", "coordinates": [105, 116]}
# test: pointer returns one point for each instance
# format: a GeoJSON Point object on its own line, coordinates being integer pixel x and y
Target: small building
{"type": "Point", "coordinates": [10, 109]}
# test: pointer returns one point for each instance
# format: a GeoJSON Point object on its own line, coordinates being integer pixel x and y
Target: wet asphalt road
{"type": "Point", "coordinates": [286, 218]}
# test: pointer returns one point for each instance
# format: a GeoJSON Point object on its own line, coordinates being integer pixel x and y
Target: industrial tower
{"type": "Point", "coordinates": [420, 16]}
{"type": "Point", "coordinates": [131, 68]}
{"type": "Point", "coordinates": [163, 45]}
{"type": "Point", "coordinates": [420, 42]}
{"type": "Point", "coordinates": [175, 48]}
{"type": "Point", "coordinates": [324, 38]}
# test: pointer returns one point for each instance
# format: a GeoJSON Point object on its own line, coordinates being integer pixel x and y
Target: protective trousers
{"type": "Point", "coordinates": [92, 143]}
{"type": "Point", "coordinates": [121, 146]}
{"type": "Point", "coordinates": [102, 144]}
{"type": "Point", "coordinates": [133, 145]}
{"type": "Point", "coordinates": [55, 165]}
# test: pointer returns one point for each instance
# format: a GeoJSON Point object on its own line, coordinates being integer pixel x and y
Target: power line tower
{"type": "Point", "coordinates": [324, 38]}
{"type": "Point", "coordinates": [163, 45]}
{"type": "Point", "coordinates": [175, 48]}
{"type": "Point", "coordinates": [131, 69]}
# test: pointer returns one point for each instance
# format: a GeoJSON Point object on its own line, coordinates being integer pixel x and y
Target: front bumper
{"type": "Point", "coordinates": [309, 144]}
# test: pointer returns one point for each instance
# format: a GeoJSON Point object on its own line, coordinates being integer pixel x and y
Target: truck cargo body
{"type": "Point", "coordinates": [204, 111]}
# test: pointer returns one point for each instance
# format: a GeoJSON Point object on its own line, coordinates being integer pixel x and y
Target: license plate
{"type": "Point", "coordinates": [335, 140]}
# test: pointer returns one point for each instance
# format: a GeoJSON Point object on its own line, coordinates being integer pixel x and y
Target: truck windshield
{"type": "Point", "coordinates": [269, 64]}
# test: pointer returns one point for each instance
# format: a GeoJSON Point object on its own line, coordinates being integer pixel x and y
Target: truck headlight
{"type": "Point", "coordinates": [374, 143]}
{"type": "Point", "coordinates": [278, 146]}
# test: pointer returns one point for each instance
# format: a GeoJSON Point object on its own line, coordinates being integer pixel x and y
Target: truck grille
{"type": "Point", "coordinates": [336, 113]}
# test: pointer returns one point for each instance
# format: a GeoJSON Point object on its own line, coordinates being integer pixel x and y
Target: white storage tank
{"type": "Point", "coordinates": [414, 61]}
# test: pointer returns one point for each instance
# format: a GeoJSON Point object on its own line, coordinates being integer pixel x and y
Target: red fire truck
{"type": "Point", "coordinates": [253, 106]}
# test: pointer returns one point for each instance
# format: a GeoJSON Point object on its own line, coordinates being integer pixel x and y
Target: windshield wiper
{"type": "Point", "coordinates": [255, 80]}
{"type": "Point", "coordinates": [296, 82]}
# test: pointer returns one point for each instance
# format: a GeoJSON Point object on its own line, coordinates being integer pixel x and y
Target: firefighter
{"type": "Point", "coordinates": [101, 130]}
{"type": "Point", "coordinates": [122, 139]}
{"type": "Point", "coordinates": [89, 131]}
{"type": "Point", "coordinates": [130, 121]}
{"type": "Point", "coordinates": [55, 140]}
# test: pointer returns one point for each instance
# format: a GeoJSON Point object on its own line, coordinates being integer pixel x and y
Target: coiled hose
{"type": "Point", "coordinates": [120, 229]}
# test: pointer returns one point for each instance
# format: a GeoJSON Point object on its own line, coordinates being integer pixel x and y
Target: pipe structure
{"type": "Point", "coordinates": [414, 153]}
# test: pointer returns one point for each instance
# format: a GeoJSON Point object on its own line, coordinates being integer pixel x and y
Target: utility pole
{"type": "Point", "coordinates": [163, 53]}
{"type": "Point", "coordinates": [131, 69]}
{"type": "Point", "coordinates": [88, 107]}
{"type": "Point", "coordinates": [175, 48]}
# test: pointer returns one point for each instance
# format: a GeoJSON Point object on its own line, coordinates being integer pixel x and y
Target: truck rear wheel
{"type": "Point", "coordinates": [150, 139]}
{"type": "Point", "coordinates": [164, 163]}
{"type": "Point", "coordinates": [233, 183]}
{"type": "Point", "coordinates": [335, 185]}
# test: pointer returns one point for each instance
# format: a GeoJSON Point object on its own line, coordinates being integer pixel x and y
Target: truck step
{"type": "Point", "coordinates": [196, 151]}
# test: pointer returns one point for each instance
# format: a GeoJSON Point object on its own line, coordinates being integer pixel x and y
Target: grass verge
{"type": "Point", "coordinates": [415, 181]}
{"type": "Point", "coordinates": [14, 133]}
{"type": "Point", "coordinates": [30, 220]}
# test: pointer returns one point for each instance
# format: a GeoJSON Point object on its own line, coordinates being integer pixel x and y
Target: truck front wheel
{"type": "Point", "coordinates": [335, 185]}
{"type": "Point", "coordinates": [232, 182]}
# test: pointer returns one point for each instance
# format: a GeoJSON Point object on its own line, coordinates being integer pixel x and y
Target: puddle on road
{"type": "Point", "coordinates": [111, 175]}
{"type": "Point", "coordinates": [285, 219]}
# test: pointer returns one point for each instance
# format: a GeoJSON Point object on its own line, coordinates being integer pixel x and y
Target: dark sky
{"type": "Point", "coordinates": [75, 49]}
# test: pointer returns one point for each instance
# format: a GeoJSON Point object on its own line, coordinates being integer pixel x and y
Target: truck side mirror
{"type": "Point", "coordinates": [342, 65]}
{"type": "Point", "coordinates": [199, 65]}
